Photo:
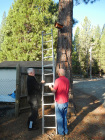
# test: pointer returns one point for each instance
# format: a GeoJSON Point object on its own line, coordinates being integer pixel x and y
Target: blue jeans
{"type": "Point", "coordinates": [61, 112]}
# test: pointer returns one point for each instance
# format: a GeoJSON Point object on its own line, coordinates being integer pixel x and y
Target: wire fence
{"type": "Point", "coordinates": [7, 86]}
{"type": "Point", "coordinates": [7, 106]}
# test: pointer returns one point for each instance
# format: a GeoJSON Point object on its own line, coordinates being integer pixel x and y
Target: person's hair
{"type": "Point", "coordinates": [61, 72]}
{"type": "Point", "coordinates": [30, 70]}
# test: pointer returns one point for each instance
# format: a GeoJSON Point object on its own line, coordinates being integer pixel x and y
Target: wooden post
{"type": "Point", "coordinates": [17, 90]}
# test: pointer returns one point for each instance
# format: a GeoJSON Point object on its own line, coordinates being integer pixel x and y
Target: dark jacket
{"type": "Point", "coordinates": [33, 87]}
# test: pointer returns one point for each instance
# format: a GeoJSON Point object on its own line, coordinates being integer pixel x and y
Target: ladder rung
{"type": "Point", "coordinates": [48, 57]}
{"type": "Point", "coordinates": [47, 34]}
{"type": "Point", "coordinates": [49, 104]}
{"type": "Point", "coordinates": [50, 115]}
{"type": "Point", "coordinates": [47, 84]}
{"type": "Point", "coordinates": [48, 65]}
{"type": "Point", "coordinates": [49, 74]}
{"type": "Point", "coordinates": [50, 127]}
{"type": "Point", "coordinates": [47, 41]}
{"type": "Point", "coordinates": [48, 94]}
{"type": "Point", "coordinates": [47, 49]}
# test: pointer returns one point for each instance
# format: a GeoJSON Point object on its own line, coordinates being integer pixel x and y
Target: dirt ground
{"type": "Point", "coordinates": [88, 124]}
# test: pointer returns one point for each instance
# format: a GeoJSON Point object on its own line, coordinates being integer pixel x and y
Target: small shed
{"type": "Point", "coordinates": [8, 77]}
{"type": "Point", "coordinates": [13, 75]}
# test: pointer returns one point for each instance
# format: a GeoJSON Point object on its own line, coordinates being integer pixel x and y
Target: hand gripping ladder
{"type": "Point", "coordinates": [45, 56]}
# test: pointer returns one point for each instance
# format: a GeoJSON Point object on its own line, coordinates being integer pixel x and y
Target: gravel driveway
{"type": "Point", "coordinates": [95, 87]}
{"type": "Point", "coordinates": [88, 124]}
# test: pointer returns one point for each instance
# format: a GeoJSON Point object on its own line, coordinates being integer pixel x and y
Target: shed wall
{"type": "Point", "coordinates": [7, 81]}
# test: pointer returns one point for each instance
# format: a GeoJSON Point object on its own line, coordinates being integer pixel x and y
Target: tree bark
{"type": "Point", "coordinates": [64, 46]}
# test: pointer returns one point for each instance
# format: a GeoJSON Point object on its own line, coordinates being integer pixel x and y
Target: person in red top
{"type": "Point", "coordinates": [61, 90]}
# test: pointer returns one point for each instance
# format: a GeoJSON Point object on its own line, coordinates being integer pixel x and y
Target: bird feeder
{"type": "Point", "coordinates": [58, 25]}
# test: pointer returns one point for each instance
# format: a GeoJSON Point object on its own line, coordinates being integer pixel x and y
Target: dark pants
{"type": "Point", "coordinates": [33, 101]}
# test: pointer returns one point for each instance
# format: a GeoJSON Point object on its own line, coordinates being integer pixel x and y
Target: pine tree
{"type": "Point", "coordinates": [95, 44]}
{"type": "Point", "coordinates": [102, 51]}
{"type": "Point", "coordinates": [76, 53]}
{"type": "Point", "coordinates": [92, 38]}
{"type": "Point", "coordinates": [85, 37]}
{"type": "Point", "coordinates": [25, 22]}
{"type": "Point", "coordinates": [1, 28]}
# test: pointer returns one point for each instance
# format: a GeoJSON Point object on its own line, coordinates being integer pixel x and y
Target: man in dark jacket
{"type": "Point", "coordinates": [33, 88]}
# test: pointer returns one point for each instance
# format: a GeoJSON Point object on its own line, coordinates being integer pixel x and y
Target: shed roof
{"type": "Point", "coordinates": [13, 64]}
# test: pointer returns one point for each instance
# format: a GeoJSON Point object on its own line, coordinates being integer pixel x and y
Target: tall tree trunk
{"type": "Point", "coordinates": [64, 46]}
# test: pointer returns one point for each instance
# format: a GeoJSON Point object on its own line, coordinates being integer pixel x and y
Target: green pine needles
{"type": "Point", "coordinates": [22, 40]}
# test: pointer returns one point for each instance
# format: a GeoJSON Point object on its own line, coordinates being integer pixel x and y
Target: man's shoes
{"type": "Point", "coordinates": [32, 126]}
{"type": "Point", "coordinates": [66, 134]}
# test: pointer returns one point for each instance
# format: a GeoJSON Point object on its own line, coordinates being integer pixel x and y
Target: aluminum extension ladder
{"type": "Point", "coordinates": [45, 72]}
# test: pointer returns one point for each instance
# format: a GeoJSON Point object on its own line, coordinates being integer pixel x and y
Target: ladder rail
{"type": "Point", "coordinates": [54, 77]}
{"type": "Point", "coordinates": [47, 84]}
{"type": "Point", "coordinates": [53, 59]}
{"type": "Point", "coordinates": [42, 86]}
{"type": "Point", "coordinates": [46, 34]}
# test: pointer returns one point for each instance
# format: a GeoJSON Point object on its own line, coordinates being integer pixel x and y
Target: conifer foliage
{"type": "Point", "coordinates": [1, 28]}
{"type": "Point", "coordinates": [88, 40]}
{"type": "Point", "coordinates": [22, 33]}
